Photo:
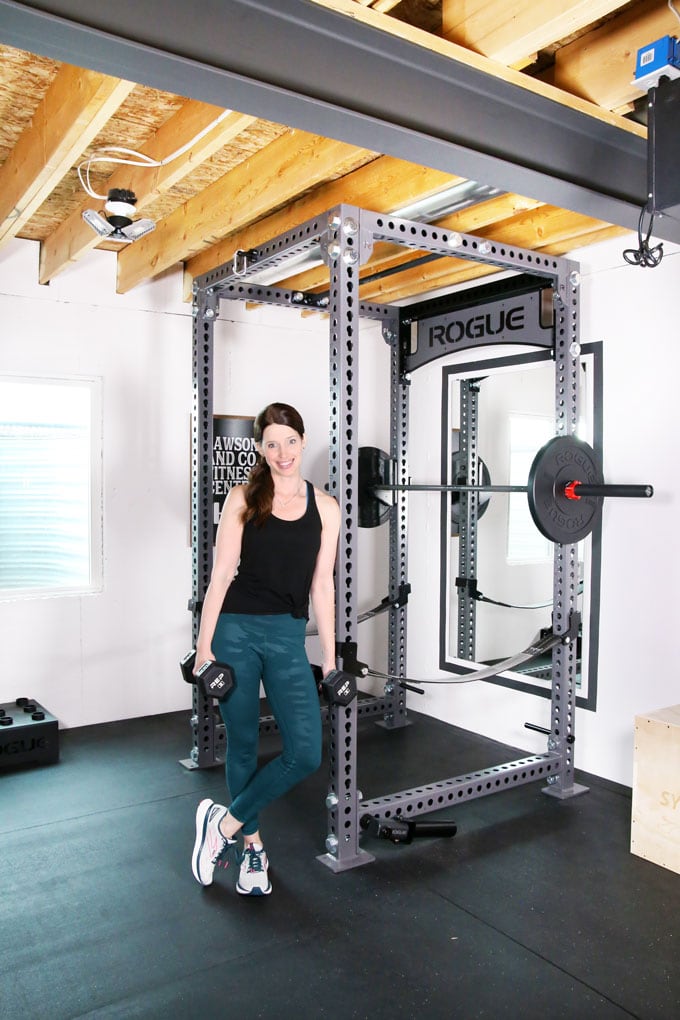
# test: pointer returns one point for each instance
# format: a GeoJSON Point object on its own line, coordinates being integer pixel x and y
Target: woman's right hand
{"type": "Point", "coordinates": [202, 655]}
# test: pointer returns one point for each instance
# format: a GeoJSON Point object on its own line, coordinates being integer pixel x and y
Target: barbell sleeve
{"type": "Point", "coordinates": [575, 490]}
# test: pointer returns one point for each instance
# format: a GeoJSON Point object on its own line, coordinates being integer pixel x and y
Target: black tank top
{"type": "Point", "coordinates": [277, 565]}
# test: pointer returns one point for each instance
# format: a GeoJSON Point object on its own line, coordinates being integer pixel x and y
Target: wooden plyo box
{"type": "Point", "coordinates": [655, 824]}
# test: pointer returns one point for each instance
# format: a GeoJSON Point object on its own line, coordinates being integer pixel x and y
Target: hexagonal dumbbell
{"type": "Point", "coordinates": [339, 687]}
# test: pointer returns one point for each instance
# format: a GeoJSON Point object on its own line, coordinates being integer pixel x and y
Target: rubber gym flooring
{"type": "Point", "coordinates": [535, 909]}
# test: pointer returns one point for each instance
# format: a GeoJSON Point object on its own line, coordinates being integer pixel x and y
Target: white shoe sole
{"type": "Point", "coordinates": [255, 891]}
{"type": "Point", "coordinates": [201, 825]}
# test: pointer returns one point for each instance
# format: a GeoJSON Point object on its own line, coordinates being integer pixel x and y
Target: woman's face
{"type": "Point", "coordinates": [282, 448]}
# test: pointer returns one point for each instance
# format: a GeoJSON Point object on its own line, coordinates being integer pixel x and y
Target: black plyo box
{"type": "Point", "coordinates": [28, 739]}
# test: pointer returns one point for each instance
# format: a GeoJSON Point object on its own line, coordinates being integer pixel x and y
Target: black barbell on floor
{"type": "Point", "coordinates": [565, 489]}
{"type": "Point", "coordinates": [405, 830]}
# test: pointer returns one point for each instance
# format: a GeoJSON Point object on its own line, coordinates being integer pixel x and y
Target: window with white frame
{"type": "Point", "coordinates": [50, 486]}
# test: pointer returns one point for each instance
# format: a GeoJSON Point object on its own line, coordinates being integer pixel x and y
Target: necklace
{"type": "Point", "coordinates": [285, 502]}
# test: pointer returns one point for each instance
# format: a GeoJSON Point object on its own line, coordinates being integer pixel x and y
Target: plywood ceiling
{"type": "Point", "coordinates": [245, 180]}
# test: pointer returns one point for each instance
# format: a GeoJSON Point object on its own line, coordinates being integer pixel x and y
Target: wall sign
{"type": "Point", "coordinates": [233, 456]}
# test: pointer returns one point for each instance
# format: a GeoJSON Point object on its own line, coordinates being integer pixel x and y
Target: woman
{"type": "Point", "coordinates": [281, 533]}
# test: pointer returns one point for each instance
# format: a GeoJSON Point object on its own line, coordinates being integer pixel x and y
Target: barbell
{"type": "Point", "coordinates": [565, 488]}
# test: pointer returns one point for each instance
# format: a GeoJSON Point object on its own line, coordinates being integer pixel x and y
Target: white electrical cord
{"type": "Point", "coordinates": [672, 7]}
{"type": "Point", "coordinates": [139, 159]}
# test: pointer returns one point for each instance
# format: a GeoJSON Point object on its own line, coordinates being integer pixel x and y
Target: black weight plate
{"type": "Point", "coordinates": [564, 459]}
{"type": "Point", "coordinates": [373, 469]}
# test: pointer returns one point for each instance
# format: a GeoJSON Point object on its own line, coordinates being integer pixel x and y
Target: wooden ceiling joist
{"type": "Point", "coordinates": [537, 227]}
{"type": "Point", "coordinates": [294, 163]}
{"type": "Point", "coordinates": [385, 184]}
{"type": "Point", "coordinates": [489, 215]}
{"type": "Point", "coordinates": [422, 279]}
{"type": "Point", "coordinates": [600, 67]}
{"type": "Point", "coordinates": [71, 114]}
{"type": "Point", "coordinates": [479, 62]}
{"type": "Point", "coordinates": [485, 215]}
{"type": "Point", "coordinates": [73, 238]}
{"type": "Point", "coordinates": [514, 33]}
{"type": "Point", "coordinates": [569, 244]}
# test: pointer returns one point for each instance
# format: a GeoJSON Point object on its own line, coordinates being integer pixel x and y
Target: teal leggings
{"type": "Point", "coordinates": [270, 649]}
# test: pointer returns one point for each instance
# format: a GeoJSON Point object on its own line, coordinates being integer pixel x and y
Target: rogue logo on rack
{"type": "Point", "coordinates": [477, 326]}
{"type": "Point", "coordinates": [513, 319]}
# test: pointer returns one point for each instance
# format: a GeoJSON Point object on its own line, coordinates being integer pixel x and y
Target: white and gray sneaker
{"type": "Point", "coordinates": [253, 877]}
{"type": "Point", "coordinates": [210, 847]}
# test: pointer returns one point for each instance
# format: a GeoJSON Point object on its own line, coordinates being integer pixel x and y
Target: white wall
{"type": "Point", "coordinates": [634, 312]}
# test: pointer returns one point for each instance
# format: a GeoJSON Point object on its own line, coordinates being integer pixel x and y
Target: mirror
{"type": "Point", "coordinates": [511, 563]}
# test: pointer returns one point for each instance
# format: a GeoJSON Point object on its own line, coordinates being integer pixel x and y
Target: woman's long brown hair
{"type": "Point", "coordinates": [259, 491]}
